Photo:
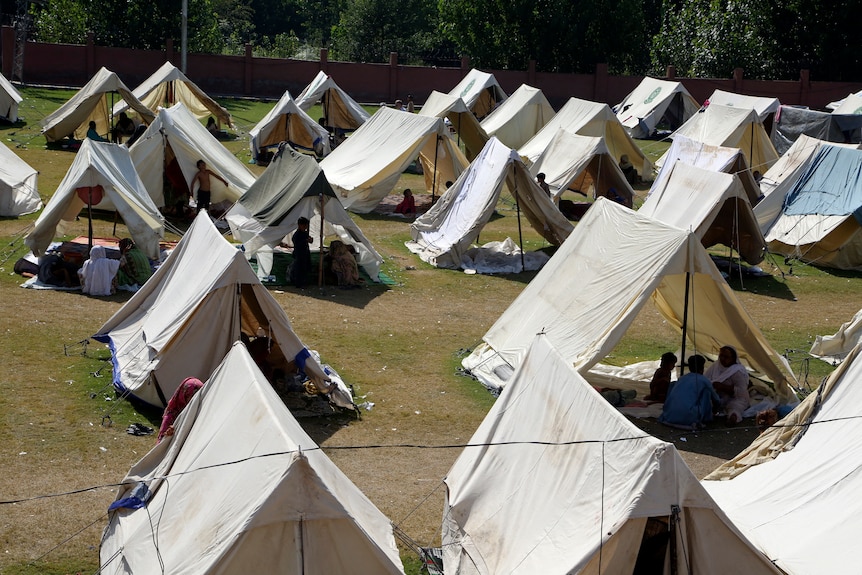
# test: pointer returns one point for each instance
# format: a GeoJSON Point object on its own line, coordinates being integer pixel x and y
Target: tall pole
{"type": "Point", "coordinates": [434, 175]}
{"type": "Point", "coordinates": [684, 323]}
{"type": "Point", "coordinates": [184, 36]}
{"type": "Point", "coordinates": [518, 211]}
{"type": "Point", "coordinates": [320, 267]}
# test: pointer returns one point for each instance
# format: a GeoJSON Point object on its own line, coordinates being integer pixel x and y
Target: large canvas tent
{"type": "Point", "coordinates": [557, 481]}
{"type": "Point", "coordinates": [183, 321]}
{"type": "Point", "coordinates": [99, 173]}
{"type": "Point", "coordinates": [819, 221]}
{"type": "Point", "coordinates": [852, 104]}
{"type": "Point", "coordinates": [519, 117]}
{"type": "Point", "coordinates": [792, 122]}
{"type": "Point", "coordinates": [583, 164]}
{"type": "Point", "coordinates": [725, 159]}
{"type": "Point", "coordinates": [714, 205]}
{"type": "Point", "coordinates": [655, 103]}
{"type": "Point", "coordinates": [480, 91]}
{"type": "Point", "coordinates": [765, 107]}
{"type": "Point", "coordinates": [294, 186]}
{"type": "Point", "coordinates": [587, 118]}
{"type": "Point", "coordinates": [590, 292]}
{"type": "Point", "coordinates": [93, 102]}
{"type": "Point", "coordinates": [241, 488]}
{"type": "Point", "coordinates": [449, 228]}
{"type": "Point", "coordinates": [732, 127]}
{"type": "Point", "coordinates": [365, 168]}
{"type": "Point", "coordinates": [18, 193]}
{"type": "Point", "coordinates": [340, 111]}
{"type": "Point", "coordinates": [465, 124]}
{"type": "Point", "coordinates": [171, 147]}
{"type": "Point", "coordinates": [286, 122]}
{"type": "Point", "coordinates": [168, 86]}
{"type": "Point", "coordinates": [10, 99]}
{"type": "Point", "coordinates": [794, 491]}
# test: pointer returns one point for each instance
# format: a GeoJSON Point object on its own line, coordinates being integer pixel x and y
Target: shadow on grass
{"type": "Point", "coordinates": [358, 298]}
{"type": "Point", "coordinates": [715, 440]}
{"type": "Point", "coordinates": [770, 286]}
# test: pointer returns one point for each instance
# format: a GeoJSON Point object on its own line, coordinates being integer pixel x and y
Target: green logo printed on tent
{"type": "Point", "coordinates": [467, 89]}
{"type": "Point", "coordinates": [653, 95]}
{"type": "Point", "coordinates": [858, 110]}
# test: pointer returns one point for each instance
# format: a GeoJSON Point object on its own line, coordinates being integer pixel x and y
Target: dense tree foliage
{"type": "Point", "coordinates": [767, 38]}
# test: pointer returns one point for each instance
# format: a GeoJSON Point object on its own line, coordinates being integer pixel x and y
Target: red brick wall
{"type": "Point", "coordinates": [73, 66]}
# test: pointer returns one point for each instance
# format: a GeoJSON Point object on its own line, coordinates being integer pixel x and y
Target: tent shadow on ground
{"type": "Point", "coordinates": [355, 297]}
{"type": "Point", "coordinates": [769, 286]}
{"type": "Point", "coordinates": [716, 440]}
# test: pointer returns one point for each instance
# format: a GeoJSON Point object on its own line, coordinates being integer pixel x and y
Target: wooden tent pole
{"type": "Point", "coordinates": [518, 211]}
{"type": "Point", "coordinates": [320, 263]}
{"type": "Point", "coordinates": [684, 323]}
{"type": "Point", "coordinates": [434, 177]}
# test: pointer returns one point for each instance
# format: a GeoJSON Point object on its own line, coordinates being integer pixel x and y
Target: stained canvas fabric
{"type": "Point", "coordinates": [462, 120]}
{"type": "Point", "coordinates": [339, 109]}
{"type": "Point", "coordinates": [795, 478]}
{"type": "Point", "coordinates": [287, 122]}
{"type": "Point", "coordinates": [654, 102]}
{"type": "Point", "coordinates": [10, 99]}
{"type": "Point", "coordinates": [591, 290]}
{"type": "Point", "coordinates": [519, 117]}
{"type": "Point", "coordinates": [92, 102]}
{"type": "Point", "coordinates": [480, 91]}
{"type": "Point", "coordinates": [764, 107]}
{"type": "Point", "coordinates": [241, 488]}
{"type": "Point", "coordinates": [185, 318]}
{"type": "Point", "coordinates": [18, 185]}
{"type": "Point", "coordinates": [168, 86]}
{"type": "Point", "coordinates": [557, 481]}
{"type": "Point", "coordinates": [109, 166]}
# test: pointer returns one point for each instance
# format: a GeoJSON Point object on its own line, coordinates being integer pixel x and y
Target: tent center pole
{"type": "Point", "coordinates": [320, 263]}
{"type": "Point", "coordinates": [684, 322]}
{"type": "Point", "coordinates": [518, 212]}
{"type": "Point", "coordinates": [434, 176]}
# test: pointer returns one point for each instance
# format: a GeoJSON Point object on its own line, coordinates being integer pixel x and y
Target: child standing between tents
{"type": "Point", "coordinates": [205, 191]}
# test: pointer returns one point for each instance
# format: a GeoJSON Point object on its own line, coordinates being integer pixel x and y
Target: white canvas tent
{"type": "Point", "coordinates": [241, 488]}
{"type": "Point", "coordinates": [584, 164]}
{"type": "Point", "coordinates": [183, 321]}
{"type": "Point", "coordinates": [465, 124]}
{"type": "Point", "coordinates": [294, 186]}
{"type": "Point", "coordinates": [586, 118]}
{"type": "Point", "coordinates": [93, 102]}
{"type": "Point", "coordinates": [852, 104]}
{"type": "Point", "coordinates": [732, 127]}
{"type": "Point", "coordinates": [818, 221]}
{"type": "Point", "coordinates": [340, 111]}
{"type": "Point", "coordinates": [168, 86]}
{"type": "Point", "coordinates": [480, 91]}
{"type": "Point", "coordinates": [109, 167]}
{"type": "Point", "coordinates": [794, 491]}
{"type": "Point", "coordinates": [176, 134]}
{"type": "Point", "coordinates": [712, 204]}
{"type": "Point", "coordinates": [765, 107]}
{"type": "Point", "coordinates": [366, 167]}
{"type": "Point", "coordinates": [286, 122]}
{"type": "Point", "coordinates": [519, 117]}
{"type": "Point", "coordinates": [834, 348]}
{"type": "Point", "coordinates": [10, 98]}
{"type": "Point", "coordinates": [557, 481]}
{"type": "Point", "coordinates": [653, 103]}
{"type": "Point", "coordinates": [18, 193]}
{"type": "Point", "coordinates": [725, 159]}
{"type": "Point", "coordinates": [445, 232]}
{"type": "Point", "coordinates": [590, 292]}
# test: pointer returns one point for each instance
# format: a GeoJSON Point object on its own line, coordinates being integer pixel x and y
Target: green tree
{"type": "Point", "coordinates": [60, 21]}
{"type": "Point", "coordinates": [369, 30]}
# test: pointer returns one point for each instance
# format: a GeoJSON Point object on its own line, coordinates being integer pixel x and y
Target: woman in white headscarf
{"type": "Point", "coordinates": [98, 275]}
{"type": "Point", "coordinates": [730, 380]}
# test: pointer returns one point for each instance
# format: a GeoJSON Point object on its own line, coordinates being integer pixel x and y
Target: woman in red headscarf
{"type": "Point", "coordinates": [182, 396]}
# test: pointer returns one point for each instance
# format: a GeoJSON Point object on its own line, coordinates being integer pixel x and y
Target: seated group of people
{"type": "Point", "coordinates": [691, 401]}
{"type": "Point", "coordinates": [100, 275]}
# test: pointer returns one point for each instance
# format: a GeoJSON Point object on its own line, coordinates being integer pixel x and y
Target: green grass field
{"type": "Point", "coordinates": [63, 430]}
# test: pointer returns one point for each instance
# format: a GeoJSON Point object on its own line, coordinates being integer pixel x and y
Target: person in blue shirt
{"type": "Point", "coordinates": [690, 399]}
{"type": "Point", "coordinates": [93, 134]}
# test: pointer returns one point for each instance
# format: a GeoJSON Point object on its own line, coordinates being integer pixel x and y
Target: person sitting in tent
{"type": "Point", "coordinates": [181, 398]}
{"type": "Point", "coordinates": [628, 170]}
{"type": "Point", "coordinates": [407, 206]}
{"type": "Point", "coordinates": [93, 134]}
{"type": "Point", "coordinates": [54, 270]}
{"type": "Point", "coordinates": [134, 266]}
{"type": "Point", "coordinates": [213, 129]}
{"type": "Point", "coordinates": [202, 177]}
{"type": "Point", "coordinates": [661, 378]}
{"type": "Point", "coordinates": [99, 273]}
{"type": "Point", "coordinates": [125, 128]}
{"type": "Point", "coordinates": [730, 380]}
{"type": "Point", "coordinates": [689, 400]}
{"type": "Point", "coordinates": [344, 265]}
{"type": "Point", "coordinates": [301, 266]}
